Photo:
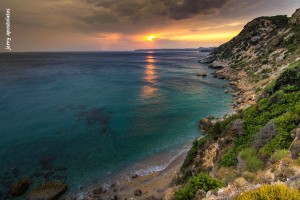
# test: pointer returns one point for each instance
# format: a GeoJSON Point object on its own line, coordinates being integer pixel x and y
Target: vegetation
{"type": "Point", "coordinates": [253, 164]}
{"type": "Point", "coordinates": [278, 155]}
{"type": "Point", "coordinates": [270, 192]}
{"type": "Point", "coordinates": [259, 133]}
{"type": "Point", "coordinates": [201, 181]}
{"type": "Point", "coordinates": [249, 142]}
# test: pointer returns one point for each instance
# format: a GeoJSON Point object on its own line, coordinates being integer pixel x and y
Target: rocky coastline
{"type": "Point", "coordinates": [242, 90]}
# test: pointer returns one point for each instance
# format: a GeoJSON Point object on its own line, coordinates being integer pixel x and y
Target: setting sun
{"type": "Point", "coordinates": [150, 38]}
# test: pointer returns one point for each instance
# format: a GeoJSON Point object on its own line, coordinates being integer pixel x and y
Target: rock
{"type": "Point", "coordinates": [47, 191]}
{"type": "Point", "coordinates": [226, 91]}
{"type": "Point", "coordinates": [295, 19]}
{"type": "Point", "coordinates": [20, 187]}
{"type": "Point", "coordinates": [295, 148]}
{"type": "Point", "coordinates": [206, 60]}
{"type": "Point", "coordinates": [200, 194]}
{"type": "Point", "coordinates": [237, 127]}
{"type": "Point", "coordinates": [240, 100]}
{"type": "Point", "coordinates": [133, 176]}
{"type": "Point", "coordinates": [217, 65]}
{"type": "Point", "coordinates": [138, 193]}
{"type": "Point", "coordinates": [205, 124]}
{"type": "Point", "coordinates": [233, 83]}
{"type": "Point", "coordinates": [202, 74]}
{"type": "Point", "coordinates": [115, 197]}
{"type": "Point", "coordinates": [98, 191]}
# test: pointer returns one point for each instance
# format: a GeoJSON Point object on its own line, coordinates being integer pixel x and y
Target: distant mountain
{"type": "Point", "coordinates": [184, 49]}
{"type": "Point", "coordinates": [200, 49]}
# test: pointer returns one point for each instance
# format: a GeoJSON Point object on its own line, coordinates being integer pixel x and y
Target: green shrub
{"type": "Point", "coordinates": [229, 159]}
{"type": "Point", "coordinates": [270, 192]}
{"type": "Point", "coordinates": [289, 88]}
{"type": "Point", "coordinates": [277, 97]}
{"type": "Point", "coordinates": [278, 155]}
{"type": "Point", "coordinates": [254, 164]}
{"type": "Point", "coordinates": [201, 181]}
{"type": "Point", "coordinates": [249, 156]}
{"type": "Point", "coordinates": [246, 153]}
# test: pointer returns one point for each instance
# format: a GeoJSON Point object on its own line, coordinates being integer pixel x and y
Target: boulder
{"type": "Point", "coordinates": [47, 191]}
{"type": "Point", "coordinates": [133, 176]}
{"type": "Point", "coordinates": [200, 194]}
{"type": "Point", "coordinates": [98, 191]}
{"type": "Point", "coordinates": [217, 65]}
{"type": "Point", "coordinates": [20, 187]}
{"type": "Point", "coordinates": [205, 124]}
{"type": "Point", "coordinates": [138, 193]}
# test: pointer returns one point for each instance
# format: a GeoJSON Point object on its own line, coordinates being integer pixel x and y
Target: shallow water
{"type": "Point", "coordinates": [79, 117]}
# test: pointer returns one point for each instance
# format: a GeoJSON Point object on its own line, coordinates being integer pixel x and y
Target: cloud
{"type": "Point", "coordinates": [167, 9]}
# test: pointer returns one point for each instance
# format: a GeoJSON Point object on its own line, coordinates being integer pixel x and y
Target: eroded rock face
{"type": "Point", "coordinates": [47, 191]}
{"type": "Point", "coordinates": [295, 19]}
{"type": "Point", "coordinates": [20, 187]}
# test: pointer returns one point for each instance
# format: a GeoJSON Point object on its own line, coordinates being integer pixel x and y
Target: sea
{"type": "Point", "coordinates": [81, 117]}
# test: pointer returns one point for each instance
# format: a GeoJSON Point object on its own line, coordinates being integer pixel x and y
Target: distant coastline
{"type": "Point", "coordinates": [200, 49]}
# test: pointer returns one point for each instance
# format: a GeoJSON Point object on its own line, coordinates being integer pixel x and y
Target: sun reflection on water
{"type": "Point", "coordinates": [150, 77]}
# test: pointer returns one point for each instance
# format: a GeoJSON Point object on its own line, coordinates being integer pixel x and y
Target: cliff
{"type": "Point", "coordinates": [260, 144]}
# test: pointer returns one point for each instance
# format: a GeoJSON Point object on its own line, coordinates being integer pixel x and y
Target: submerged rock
{"type": "Point", "coordinates": [20, 187]}
{"type": "Point", "coordinates": [202, 74]}
{"type": "Point", "coordinates": [47, 191]}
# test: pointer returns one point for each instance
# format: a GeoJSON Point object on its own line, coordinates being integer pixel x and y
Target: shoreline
{"type": "Point", "coordinates": [156, 184]}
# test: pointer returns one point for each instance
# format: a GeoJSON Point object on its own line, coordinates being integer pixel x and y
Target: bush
{"type": "Point", "coordinates": [248, 176]}
{"type": "Point", "coordinates": [278, 155]}
{"type": "Point", "coordinates": [277, 97]}
{"type": "Point", "coordinates": [246, 153]}
{"type": "Point", "coordinates": [240, 182]}
{"type": "Point", "coordinates": [201, 181]}
{"type": "Point", "coordinates": [227, 175]}
{"type": "Point", "coordinates": [229, 159]}
{"type": "Point", "coordinates": [253, 164]}
{"type": "Point", "coordinates": [272, 192]}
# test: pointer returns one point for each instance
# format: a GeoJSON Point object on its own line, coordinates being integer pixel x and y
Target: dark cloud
{"type": "Point", "coordinates": [189, 8]}
{"type": "Point", "coordinates": [167, 9]}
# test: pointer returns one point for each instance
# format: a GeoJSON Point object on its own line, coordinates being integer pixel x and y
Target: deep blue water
{"type": "Point", "coordinates": [78, 117]}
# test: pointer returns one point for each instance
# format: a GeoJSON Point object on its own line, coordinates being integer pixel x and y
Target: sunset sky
{"type": "Point", "coordinates": [89, 25]}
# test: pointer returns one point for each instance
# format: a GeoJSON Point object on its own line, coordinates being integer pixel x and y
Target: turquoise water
{"type": "Point", "coordinates": [78, 117]}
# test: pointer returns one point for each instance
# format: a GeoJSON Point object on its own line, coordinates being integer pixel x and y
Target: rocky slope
{"type": "Point", "coordinates": [260, 144]}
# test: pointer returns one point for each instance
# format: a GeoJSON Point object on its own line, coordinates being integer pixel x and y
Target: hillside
{"type": "Point", "coordinates": [257, 55]}
{"type": "Point", "coordinates": [259, 145]}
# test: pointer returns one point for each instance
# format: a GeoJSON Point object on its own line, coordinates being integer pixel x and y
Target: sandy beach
{"type": "Point", "coordinates": [154, 185]}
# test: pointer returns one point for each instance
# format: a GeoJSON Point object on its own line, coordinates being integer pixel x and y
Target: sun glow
{"type": "Point", "coordinates": [150, 38]}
